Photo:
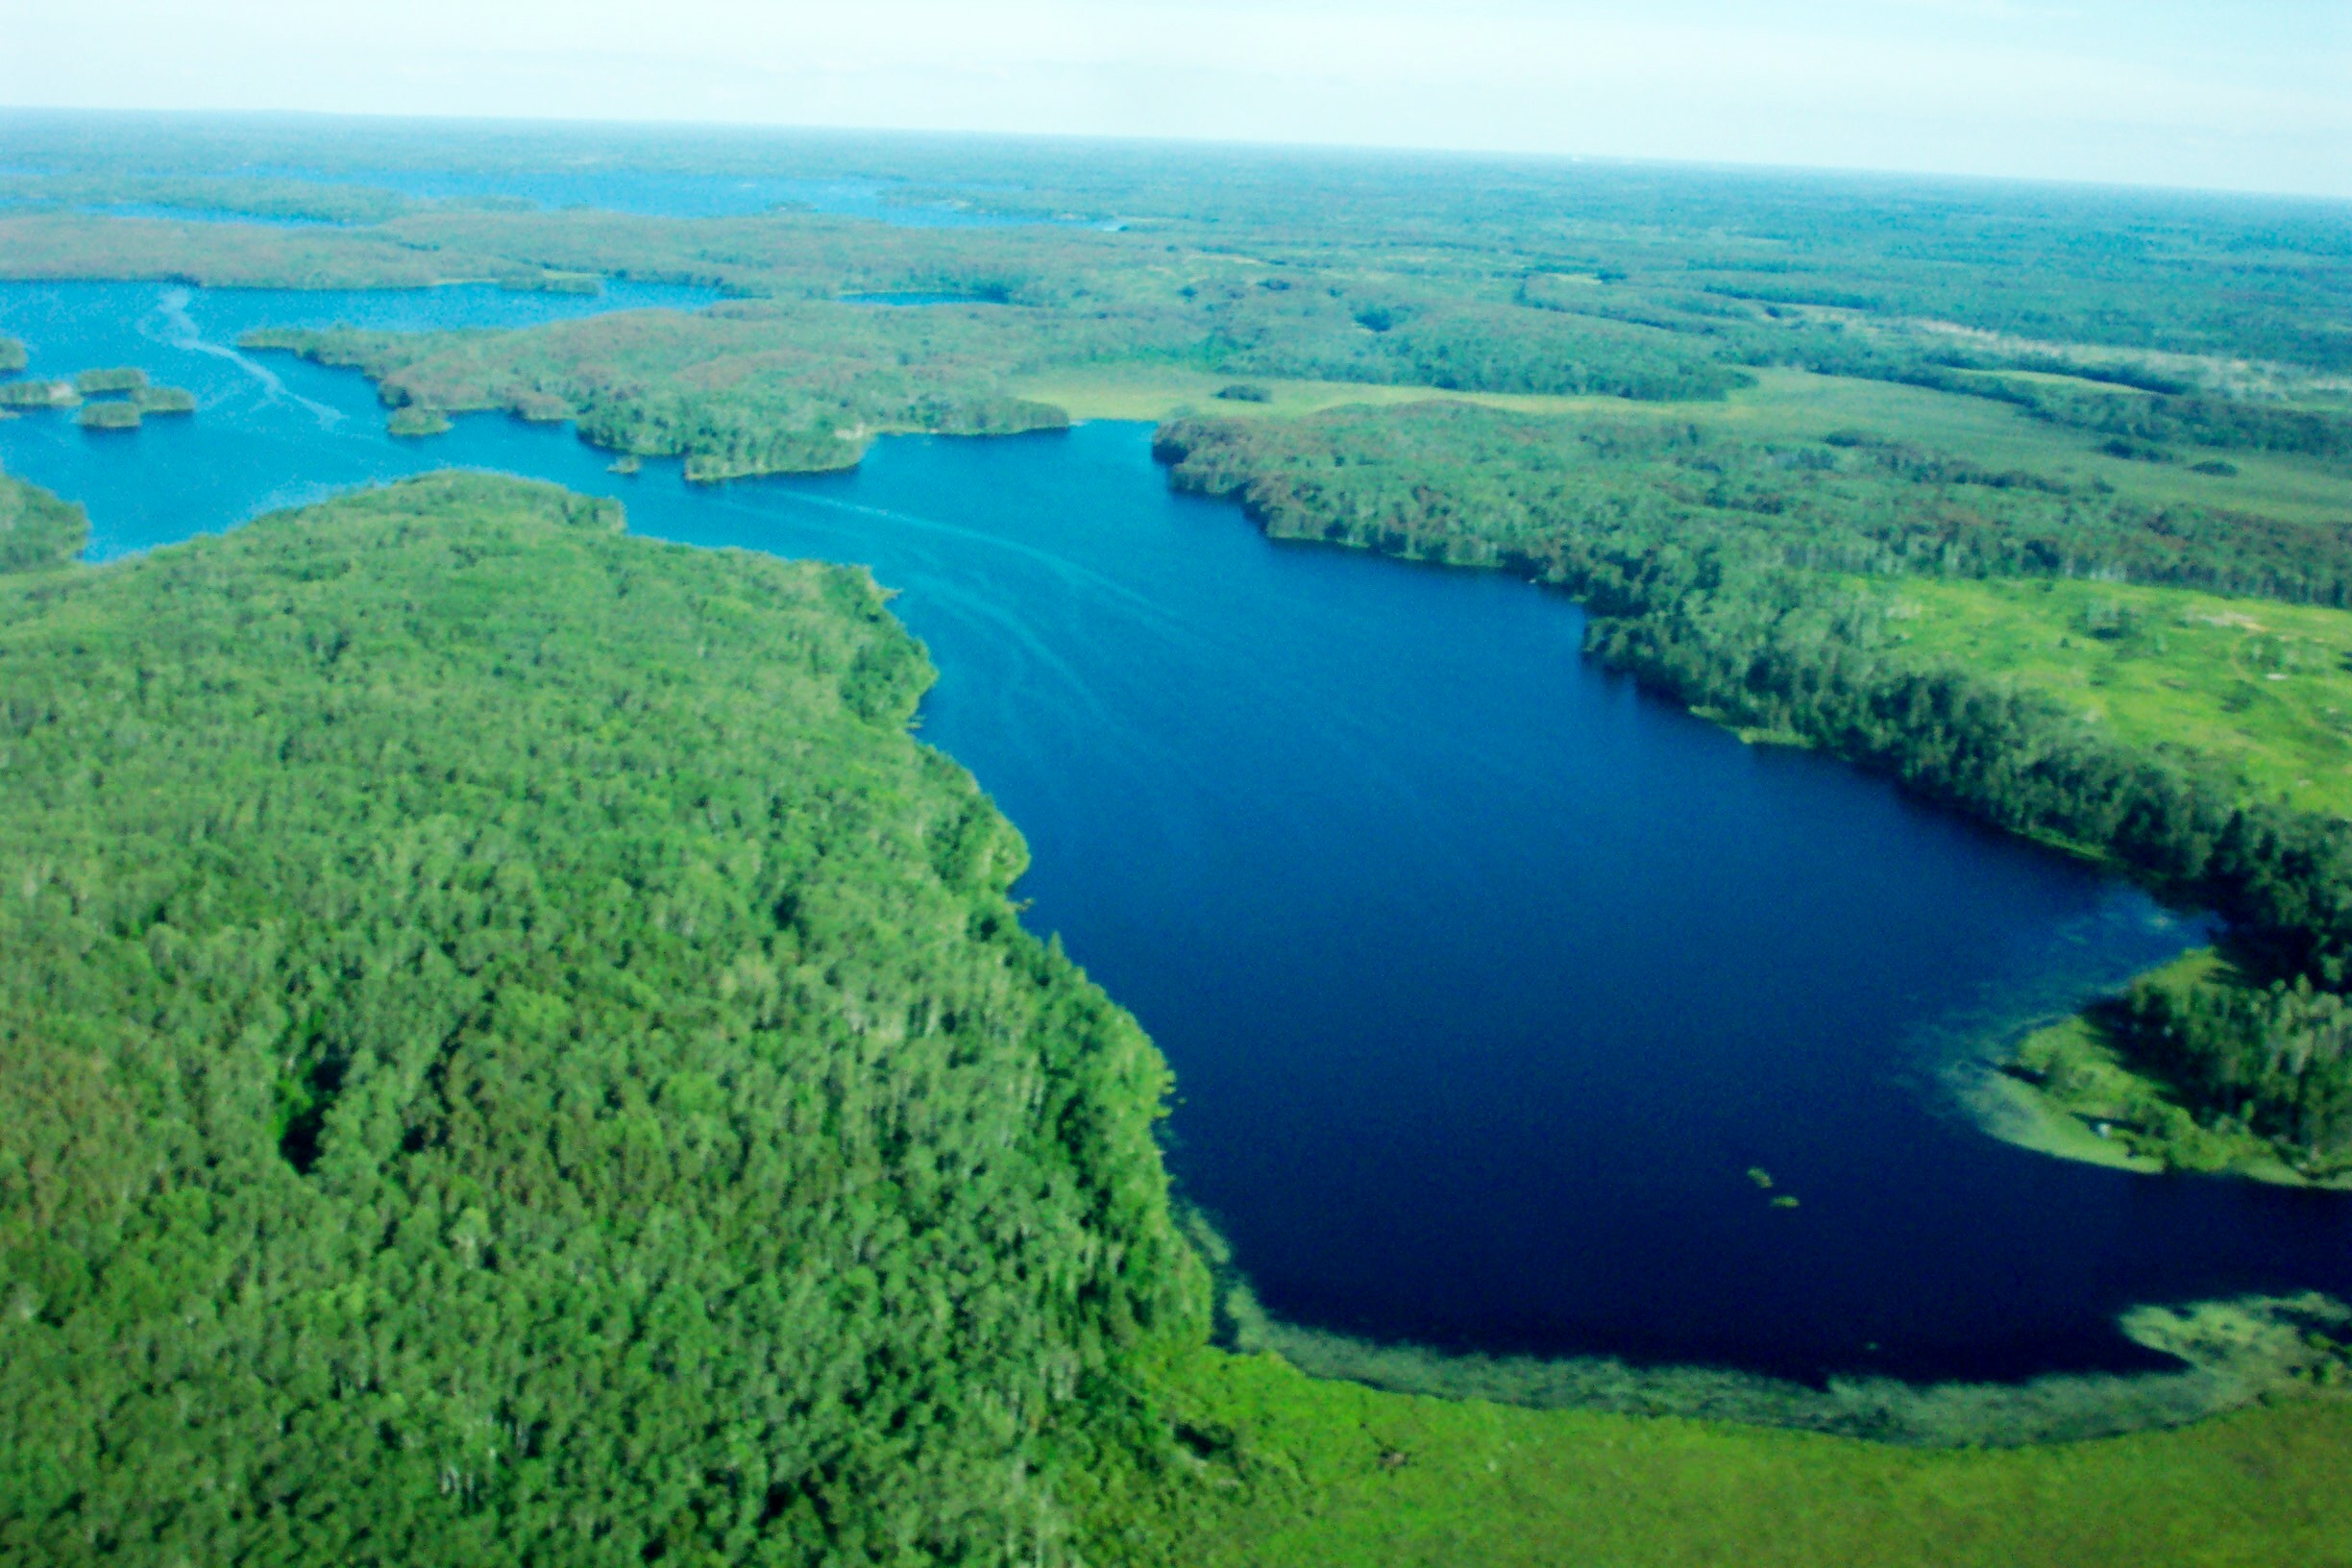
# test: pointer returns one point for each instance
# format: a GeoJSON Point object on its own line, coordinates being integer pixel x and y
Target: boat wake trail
{"type": "Point", "coordinates": [173, 324]}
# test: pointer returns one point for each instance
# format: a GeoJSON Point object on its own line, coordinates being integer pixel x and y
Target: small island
{"type": "Point", "coordinates": [38, 395]}
{"type": "Point", "coordinates": [113, 398]}
{"type": "Point", "coordinates": [153, 400]}
{"type": "Point", "coordinates": [112, 378]}
{"type": "Point", "coordinates": [417, 419]}
{"type": "Point", "coordinates": [109, 415]}
{"type": "Point", "coordinates": [552, 282]}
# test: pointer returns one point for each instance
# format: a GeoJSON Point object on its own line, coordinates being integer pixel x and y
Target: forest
{"type": "Point", "coordinates": [444, 1127]}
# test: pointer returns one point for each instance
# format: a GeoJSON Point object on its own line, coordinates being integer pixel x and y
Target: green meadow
{"type": "Point", "coordinates": [2257, 688]}
{"type": "Point", "coordinates": [1332, 1475]}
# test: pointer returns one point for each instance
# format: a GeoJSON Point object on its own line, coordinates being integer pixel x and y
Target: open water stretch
{"type": "Point", "coordinates": [1486, 979]}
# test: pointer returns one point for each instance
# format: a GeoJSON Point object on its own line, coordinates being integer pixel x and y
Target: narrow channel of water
{"type": "Point", "coordinates": [1487, 980]}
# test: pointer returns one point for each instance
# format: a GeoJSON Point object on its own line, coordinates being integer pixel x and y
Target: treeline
{"type": "Point", "coordinates": [38, 530]}
{"type": "Point", "coordinates": [280, 201]}
{"type": "Point", "coordinates": [1667, 310]}
{"type": "Point", "coordinates": [1427, 337]}
{"type": "Point", "coordinates": [2238, 276]}
{"type": "Point", "coordinates": [2229, 424]}
{"type": "Point", "coordinates": [1593, 497]}
{"type": "Point", "coordinates": [766, 389]}
{"type": "Point", "coordinates": [2148, 410]}
{"type": "Point", "coordinates": [1697, 577]}
{"type": "Point", "coordinates": [509, 1053]}
{"type": "Point", "coordinates": [2275, 1060]}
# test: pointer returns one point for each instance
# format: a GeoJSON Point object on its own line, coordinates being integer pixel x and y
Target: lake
{"type": "Point", "coordinates": [1486, 979]}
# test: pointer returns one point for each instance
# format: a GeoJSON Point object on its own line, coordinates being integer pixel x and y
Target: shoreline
{"type": "Point", "coordinates": [2233, 1354]}
{"type": "Point", "coordinates": [2060, 1087]}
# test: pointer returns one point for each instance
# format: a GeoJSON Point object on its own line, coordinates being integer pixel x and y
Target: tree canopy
{"type": "Point", "coordinates": [510, 1052]}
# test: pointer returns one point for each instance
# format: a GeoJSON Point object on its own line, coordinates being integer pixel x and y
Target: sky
{"type": "Point", "coordinates": [2251, 95]}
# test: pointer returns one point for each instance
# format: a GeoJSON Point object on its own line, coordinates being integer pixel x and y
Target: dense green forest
{"type": "Point", "coordinates": [1661, 333]}
{"type": "Point", "coordinates": [38, 530]}
{"type": "Point", "coordinates": [2180, 357]}
{"type": "Point", "coordinates": [1714, 571]}
{"type": "Point", "coordinates": [512, 1054]}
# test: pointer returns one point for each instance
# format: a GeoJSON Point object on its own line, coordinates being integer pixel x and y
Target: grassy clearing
{"type": "Point", "coordinates": [1142, 391]}
{"type": "Point", "coordinates": [1795, 404]}
{"type": "Point", "coordinates": [1332, 1475]}
{"type": "Point", "coordinates": [2261, 689]}
{"type": "Point", "coordinates": [2025, 1113]}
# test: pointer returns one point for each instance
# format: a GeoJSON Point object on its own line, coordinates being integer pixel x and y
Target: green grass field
{"type": "Point", "coordinates": [1331, 1475]}
{"type": "Point", "coordinates": [1145, 391]}
{"type": "Point", "coordinates": [1793, 405]}
{"type": "Point", "coordinates": [2261, 689]}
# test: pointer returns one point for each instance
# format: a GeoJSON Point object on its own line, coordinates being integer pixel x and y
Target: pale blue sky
{"type": "Point", "coordinates": [2253, 95]}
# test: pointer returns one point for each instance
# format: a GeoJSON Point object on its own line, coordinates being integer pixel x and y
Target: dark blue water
{"type": "Point", "coordinates": [1485, 978]}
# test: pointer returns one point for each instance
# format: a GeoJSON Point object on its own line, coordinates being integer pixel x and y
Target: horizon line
{"type": "Point", "coordinates": [1474, 155]}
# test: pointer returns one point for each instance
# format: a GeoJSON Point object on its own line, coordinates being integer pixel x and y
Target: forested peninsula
{"type": "Point", "coordinates": [512, 1053]}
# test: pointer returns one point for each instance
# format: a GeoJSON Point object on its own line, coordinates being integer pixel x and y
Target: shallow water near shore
{"type": "Point", "coordinates": [1489, 983]}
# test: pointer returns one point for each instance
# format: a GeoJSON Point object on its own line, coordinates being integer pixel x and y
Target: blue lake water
{"type": "Point", "coordinates": [201, 214]}
{"type": "Point", "coordinates": [1485, 978]}
{"type": "Point", "coordinates": [176, 215]}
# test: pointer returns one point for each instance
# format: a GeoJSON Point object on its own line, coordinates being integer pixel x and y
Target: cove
{"type": "Point", "coordinates": [1486, 979]}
